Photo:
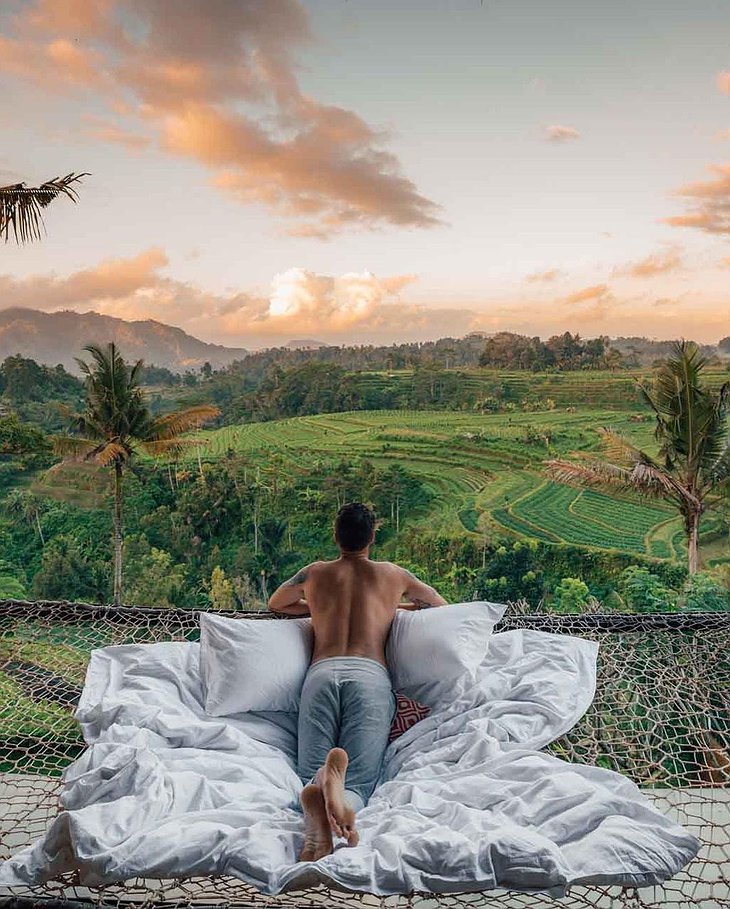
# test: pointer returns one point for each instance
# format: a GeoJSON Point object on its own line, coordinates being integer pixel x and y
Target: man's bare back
{"type": "Point", "coordinates": [347, 702]}
{"type": "Point", "coordinates": [352, 601]}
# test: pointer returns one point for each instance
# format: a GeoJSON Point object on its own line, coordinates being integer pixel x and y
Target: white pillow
{"type": "Point", "coordinates": [253, 664]}
{"type": "Point", "coordinates": [429, 649]}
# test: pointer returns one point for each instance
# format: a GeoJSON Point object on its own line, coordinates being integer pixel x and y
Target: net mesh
{"type": "Point", "coordinates": [661, 716]}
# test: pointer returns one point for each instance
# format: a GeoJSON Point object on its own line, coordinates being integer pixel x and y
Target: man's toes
{"type": "Point", "coordinates": [337, 761]}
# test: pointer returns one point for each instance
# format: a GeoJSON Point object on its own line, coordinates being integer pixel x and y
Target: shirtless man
{"type": "Point", "coordinates": [347, 702]}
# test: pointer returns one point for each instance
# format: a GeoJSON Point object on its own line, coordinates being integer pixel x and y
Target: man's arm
{"type": "Point", "coordinates": [421, 595]}
{"type": "Point", "coordinates": [288, 598]}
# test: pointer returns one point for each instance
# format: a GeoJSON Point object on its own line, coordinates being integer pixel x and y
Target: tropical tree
{"type": "Point", "coordinates": [116, 422]}
{"type": "Point", "coordinates": [21, 206]}
{"type": "Point", "coordinates": [28, 507]}
{"type": "Point", "coordinates": [694, 445]}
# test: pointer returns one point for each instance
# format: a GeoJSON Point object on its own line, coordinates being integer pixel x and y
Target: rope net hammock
{"type": "Point", "coordinates": [661, 716]}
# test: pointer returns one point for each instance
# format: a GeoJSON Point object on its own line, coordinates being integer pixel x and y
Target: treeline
{"type": "Point", "coordinates": [226, 534]}
{"type": "Point", "coordinates": [326, 388]}
{"type": "Point", "coordinates": [191, 535]}
{"type": "Point", "coordinates": [506, 350]}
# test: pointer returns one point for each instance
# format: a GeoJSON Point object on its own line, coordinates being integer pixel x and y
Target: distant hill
{"type": "Point", "coordinates": [57, 337]}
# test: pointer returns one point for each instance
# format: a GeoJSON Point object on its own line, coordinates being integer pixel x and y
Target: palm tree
{"type": "Point", "coordinates": [694, 450]}
{"type": "Point", "coordinates": [116, 422]}
{"type": "Point", "coordinates": [20, 205]}
{"type": "Point", "coordinates": [26, 506]}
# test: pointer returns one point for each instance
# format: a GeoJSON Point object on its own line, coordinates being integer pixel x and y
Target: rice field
{"type": "Point", "coordinates": [485, 471]}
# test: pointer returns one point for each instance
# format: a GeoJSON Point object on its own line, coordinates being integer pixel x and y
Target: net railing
{"type": "Point", "coordinates": [661, 716]}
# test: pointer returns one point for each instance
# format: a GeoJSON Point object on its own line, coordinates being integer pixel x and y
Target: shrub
{"type": "Point", "coordinates": [571, 596]}
{"type": "Point", "coordinates": [220, 590]}
{"type": "Point", "coordinates": [704, 592]}
{"type": "Point", "coordinates": [643, 591]}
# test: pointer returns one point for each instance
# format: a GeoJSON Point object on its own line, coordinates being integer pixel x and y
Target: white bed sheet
{"type": "Point", "coordinates": [467, 800]}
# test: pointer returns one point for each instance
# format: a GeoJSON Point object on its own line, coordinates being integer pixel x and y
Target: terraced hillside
{"type": "Point", "coordinates": [485, 470]}
{"type": "Point", "coordinates": [584, 388]}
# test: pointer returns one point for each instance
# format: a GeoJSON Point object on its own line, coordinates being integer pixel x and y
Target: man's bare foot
{"type": "Point", "coordinates": [341, 816]}
{"type": "Point", "coordinates": [317, 833]}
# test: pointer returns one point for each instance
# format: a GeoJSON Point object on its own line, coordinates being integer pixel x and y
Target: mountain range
{"type": "Point", "coordinates": [58, 337]}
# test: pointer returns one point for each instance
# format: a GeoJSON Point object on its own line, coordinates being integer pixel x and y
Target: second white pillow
{"type": "Point", "coordinates": [429, 649]}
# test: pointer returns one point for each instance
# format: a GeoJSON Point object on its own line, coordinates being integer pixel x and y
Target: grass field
{"type": "Point", "coordinates": [485, 471]}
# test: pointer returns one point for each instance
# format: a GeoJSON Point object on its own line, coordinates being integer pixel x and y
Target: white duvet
{"type": "Point", "coordinates": [467, 800]}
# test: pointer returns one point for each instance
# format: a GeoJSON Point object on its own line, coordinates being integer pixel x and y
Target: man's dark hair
{"type": "Point", "coordinates": [354, 526]}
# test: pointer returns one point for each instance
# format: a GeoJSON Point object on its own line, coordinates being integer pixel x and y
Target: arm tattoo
{"type": "Point", "coordinates": [423, 604]}
{"type": "Point", "coordinates": [298, 578]}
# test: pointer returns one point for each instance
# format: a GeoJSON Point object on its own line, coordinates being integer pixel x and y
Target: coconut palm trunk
{"type": "Point", "coordinates": [117, 533]}
{"type": "Point", "coordinates": [693, 540]}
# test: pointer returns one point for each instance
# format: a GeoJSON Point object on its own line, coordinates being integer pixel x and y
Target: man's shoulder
{"type": "Point", "coordinates": [390, 567]}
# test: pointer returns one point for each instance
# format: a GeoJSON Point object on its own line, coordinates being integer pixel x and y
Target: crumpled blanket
{"type": "Point", "coordinates": [467, 801]}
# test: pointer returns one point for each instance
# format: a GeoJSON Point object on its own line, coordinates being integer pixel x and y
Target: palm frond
{"type": "Point", "coordinates": [173, 447]}
{"type": "Point", "coordinates": [593, 473]}
{"type": "Point", "coordinates": [617, 448]}
{"type": "Point", "coordinates": [73, 447]}
{"type": "Point", "coordinates": [20, 205]}
{"type": "Point", "coordinates": [112, 451]}
{"type": "Point", "coordinates": [719, 470]}
{"type": "Point", "coordinates": [643, 478]}
{"type": "Point", "coordinates": [174, 424]}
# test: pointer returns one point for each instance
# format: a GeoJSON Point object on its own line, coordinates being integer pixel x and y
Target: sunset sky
{"type": "Point", "coordinates": [375, 170]}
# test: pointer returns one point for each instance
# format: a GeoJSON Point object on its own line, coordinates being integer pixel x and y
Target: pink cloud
{"type": "Point", "coordinates": [215, 81]}
{"type": "Point", "coordinates": [723, 82]}
{"type": "Point", "coordinates": [557, 133]}
{"type": "Point", "coordinates": [710, 201]}
{"type": "Point", "coordinates": [585, 294]}
{"type": "Point", "coordinates": [655, 264]}
{"type": "Point", "coordinates": [551, 274]}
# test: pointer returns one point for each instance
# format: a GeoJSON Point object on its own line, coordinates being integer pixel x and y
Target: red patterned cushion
{"type": "Point", "coordinates": [407, 714]}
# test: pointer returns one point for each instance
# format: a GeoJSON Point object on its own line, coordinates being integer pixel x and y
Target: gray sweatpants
{"type": "Point", "coordinates": [346, 702]}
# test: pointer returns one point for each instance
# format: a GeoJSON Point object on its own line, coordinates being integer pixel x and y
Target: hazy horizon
{"type": "Point", "coordinates": [367, 173]}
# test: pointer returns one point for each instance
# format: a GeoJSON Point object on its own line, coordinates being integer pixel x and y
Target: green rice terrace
{"type": "Point", "coordinates": [485, 471]}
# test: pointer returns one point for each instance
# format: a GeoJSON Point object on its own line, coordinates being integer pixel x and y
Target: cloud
{"type": "Point", "coordinates": [594, 303]}
{"type": "Point", "coordinates": [351, 308]}
{"type": "Point", "coordinates": [655, 264]}
{"type": "Point", "coordinates": [216, 81]}
{"type": "Point", "coordinates": [112, 282]}
{"type": "Point", "coordinates": [557, 133]}
{"type": "Point", "coordinates": [338, 308]}
{"type": "Point", "coordinates": [723, 82]}
{"type": "Point", "coordinates": [586, 294]}
{"type": "Point", "coordinates": [710, 200]}
{"type": "Point", "coordinates": [304, 301]}
{"type": "Point", "coordinates": [550, 275]}
{"type": "Point", "coordinates": [110, 132]}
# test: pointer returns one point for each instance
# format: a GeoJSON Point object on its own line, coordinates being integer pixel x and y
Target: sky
{"type": "Point", "coordinates": [371, 171]}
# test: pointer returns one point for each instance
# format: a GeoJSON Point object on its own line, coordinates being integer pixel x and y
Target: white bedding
{"type": "Point", "coordinates": [467, 800]}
